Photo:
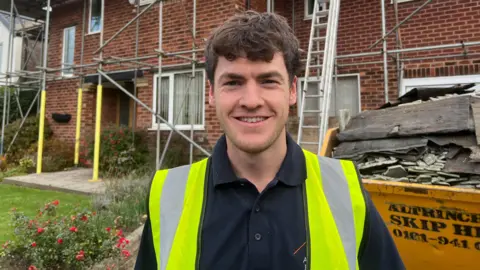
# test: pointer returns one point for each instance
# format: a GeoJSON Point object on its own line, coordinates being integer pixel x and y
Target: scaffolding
{"type": "Point", "coordinates": [396, 54]}
{"type": "Point", "coordinates": [44, 75]}
{"type": "Point", "coordinates": [39, 12]}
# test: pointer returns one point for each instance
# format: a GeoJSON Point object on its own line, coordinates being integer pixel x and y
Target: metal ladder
{"type": "Point", "coordinates": [324, 57]}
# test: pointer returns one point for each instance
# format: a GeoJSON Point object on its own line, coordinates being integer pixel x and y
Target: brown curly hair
{"type": "Point", "coordinates": [255, 36]}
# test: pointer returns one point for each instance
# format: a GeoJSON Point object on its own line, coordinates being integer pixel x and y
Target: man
{"type": "Point", "coordinates": [260, 201]}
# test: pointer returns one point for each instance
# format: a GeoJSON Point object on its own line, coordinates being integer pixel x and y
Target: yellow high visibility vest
{"type": "Point", "coordinates": [335, 202]}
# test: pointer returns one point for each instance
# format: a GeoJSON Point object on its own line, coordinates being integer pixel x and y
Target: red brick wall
{"type": "Point", "coordinates": [440, 22]}
{"type": "Point", "coordinates": [177, 18]}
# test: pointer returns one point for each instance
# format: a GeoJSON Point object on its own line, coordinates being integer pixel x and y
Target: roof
{"type": "Point", "coordinates": [32, 8]}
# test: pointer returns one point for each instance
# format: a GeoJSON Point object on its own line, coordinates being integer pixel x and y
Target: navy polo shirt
{"type": "Point", "coordinates": [244, 229]}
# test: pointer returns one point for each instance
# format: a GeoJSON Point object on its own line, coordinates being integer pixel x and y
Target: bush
{"type": "Point", "coordinates": [25, 98]}
{"type": "Point", "coordinates": [27, 136]}
{"type": "Point", "coordinates": [178, 152]}
{"type": "Point", "coordinates": [121, 153]}
{"type": "Point", "coordinates": [124, 201]}
{"type": "Point", "coordinates": [48, 241]}
{"type": "Point", "coordinates": [57, 155]}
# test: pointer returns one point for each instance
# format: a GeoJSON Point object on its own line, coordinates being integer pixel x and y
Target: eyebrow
{"type": "Point", "coordinates": [231, 75]}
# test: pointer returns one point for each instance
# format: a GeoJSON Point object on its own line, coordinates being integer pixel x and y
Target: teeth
{"type": "Point", "coordinates": [252, 119]}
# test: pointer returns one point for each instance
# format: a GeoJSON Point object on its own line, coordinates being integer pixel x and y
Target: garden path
{"type": "Point", "coordinates": [73, 180]}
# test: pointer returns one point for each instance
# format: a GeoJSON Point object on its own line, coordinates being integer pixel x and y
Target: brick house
{"type": "Point", "coordinates": [440, 22]}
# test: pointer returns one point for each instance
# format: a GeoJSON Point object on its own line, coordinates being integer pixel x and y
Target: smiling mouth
{"type": "Point", "coordinates": [251, 119]}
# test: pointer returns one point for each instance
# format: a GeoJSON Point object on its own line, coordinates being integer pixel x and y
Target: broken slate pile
{"type": "Point", "coordinates": [432, 142]}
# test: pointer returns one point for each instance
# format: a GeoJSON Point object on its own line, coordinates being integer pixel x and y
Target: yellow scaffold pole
{"type": "Point", "coordinates": [98, 120]}
{"type": "Point", "coordinates": [79, 122]}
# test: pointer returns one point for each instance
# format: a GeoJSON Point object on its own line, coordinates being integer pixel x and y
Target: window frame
{"type": "Point", "coordinates": [1, 56]}
{"type": "Point", "coordinates": [171, 83]}
{"type": "Point", "coordinates": [440, 81]}
{"type": "Point", "coordinates": [90, 17]}
{"type": "Point", "coordinates": [305, 10]}
{"type": "Point", "coordinates": [63, 50]}
{"type": "Point", "coordinates": [300, 80]}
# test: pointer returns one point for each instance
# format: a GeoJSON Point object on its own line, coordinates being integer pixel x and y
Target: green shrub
{"type": "Point", "coordinates": [27, 137]}
{"type": "Point", "coordinates": [49, 241]}
{"type": "Point", "coordinates": [25, 98]}
{"type": "Point", "coordinates": [57, 155]}
{"type": "Point", "coordinates": [121, 153]}
{"type": "Point", "coordinates": [178, 152]}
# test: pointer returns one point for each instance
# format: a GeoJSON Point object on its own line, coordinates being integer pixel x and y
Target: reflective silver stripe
{"type": "Point", "coordinates": [171, 207]}
{"type": "Point", "coordinates": [337, 192]}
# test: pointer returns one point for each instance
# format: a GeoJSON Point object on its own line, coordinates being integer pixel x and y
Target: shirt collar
{"type": "Point", "coordinates": [292, 172]}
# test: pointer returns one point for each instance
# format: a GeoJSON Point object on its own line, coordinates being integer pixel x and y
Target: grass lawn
{"type": "Point", "coordinates": [29, 201]}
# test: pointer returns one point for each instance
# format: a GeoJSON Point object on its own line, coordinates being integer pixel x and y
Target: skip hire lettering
{"type": "Point", "coordinates": [437, 221]}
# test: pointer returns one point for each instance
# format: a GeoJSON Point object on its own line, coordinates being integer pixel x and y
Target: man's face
{"type": "Point", "coordinates": [252, 101]}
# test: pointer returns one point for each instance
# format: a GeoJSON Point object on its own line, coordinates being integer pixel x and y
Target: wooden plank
{"type": "Point", "coordinates": [432, 117]}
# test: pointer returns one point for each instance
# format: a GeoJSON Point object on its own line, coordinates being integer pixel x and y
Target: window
{"type": "Point", "coordinates": [309, 8]}
{"type": "Point", "coordinates": [68, 50]}
{"type": "Point", "coordinates": [346, 97]}
{"type": "Point", "coordinates": [96, 20]}
{"type": "Point", "coordinates": [444, 81]}
{"type": "Point", "coordinates": [181, 97]}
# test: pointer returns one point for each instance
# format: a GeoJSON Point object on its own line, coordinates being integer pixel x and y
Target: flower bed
{"type": "Point", "coordinates": [86, 238]}
{"type": "Point", "coordinates": [48, 241]}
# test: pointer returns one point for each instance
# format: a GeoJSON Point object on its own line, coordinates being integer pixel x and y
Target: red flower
{"type": "Point", "coordinates": [60, 240]}
{"type": "Point", "coordinates": [40, 230]}
{"type": "Point", "coordinates": [120, 232]}
{"type": "Point", "coordinates": [73, 229]}
{"type": "Point", "coordinates": [32, 267]}
{"type": "Point", "coordinates": [126, 253]}
{"type": "Point", "coordinates": [34, 244]}
{"type": "Point", "coordinates": [80, 256]}
{"type": "Point", "coordinates": [108, 229]}
{"type": "Point", "coordinates": [84, 218]}
{"type": "Point", "coordinates": [122, 242]}
{"type": "Point", "coordinates": [56, 202]}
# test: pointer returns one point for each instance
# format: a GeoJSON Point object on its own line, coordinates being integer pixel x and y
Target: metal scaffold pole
{"type": "Point", "coordinates": [98, 113]}
{"type": "Point", "coordinates": [80, 90]}
{"type": "Point", "coordinates": [6, 89]}
{"type": "Point", "coordinates": [134, 117]}
{"type": "Point", "coordinates": [384, 51]}
{"type": "Point", "coordinates": [191, 108]}
{"type": "Point", "coordinates": [43, 91]}
{"type": "Point", "coordinates": [159, 81]}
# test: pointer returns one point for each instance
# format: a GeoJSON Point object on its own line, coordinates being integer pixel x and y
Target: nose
{"type": "Point", "coordinates": [251, 96]}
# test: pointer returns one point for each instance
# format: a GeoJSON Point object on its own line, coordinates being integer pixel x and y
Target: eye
{"type": "Point", "coordinates": [269, 81]}
{"type": "Point", "coordinates": [232, 83]}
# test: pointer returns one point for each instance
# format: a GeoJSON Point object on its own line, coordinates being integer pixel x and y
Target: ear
{"type": "Point", "coordinates": [211, 94]}
{"type": "Point", "coordinates": [293, 92]}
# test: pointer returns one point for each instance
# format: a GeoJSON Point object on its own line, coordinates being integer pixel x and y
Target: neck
{"type": "Point", "coordinates": [258, 168]}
